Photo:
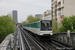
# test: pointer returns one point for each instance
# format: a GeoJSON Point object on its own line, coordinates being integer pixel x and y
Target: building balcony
{"type": "Point", "coordinates": [54, 1]}
{"type": "Point", "coordinates": [59, 14]}
{"type": "Point", "coordinates": [62, 13]}
{"type": "Point", "coordinates": [58, 1]}
{"type": "Point", "coordinates": [53, 9]}
{"type": "Point", "coordinates": [53, 13]}
{"type": "Point", "coordinates": [58, 6]}
{"type": "Point", "coordinates": [51, 6]}
{"type": "Point", "coordinates": [56, 16]}
{"type": "Point", "coordinates": [49, 17]}
{"type": "Point", "coordinates": [62, 16]}
{"type": "Point", "coordinates": [62, 5]}
{"type": "Point", "coordinates": [58, 11]}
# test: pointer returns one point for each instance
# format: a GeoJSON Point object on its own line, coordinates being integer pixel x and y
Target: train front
{"type": "Point", "coordinates": [46, 29]}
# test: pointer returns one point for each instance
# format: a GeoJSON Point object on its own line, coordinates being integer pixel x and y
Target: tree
{"type": "Point", "coordinates": [62, 29]}
{"type": "Point", "coordinates": [36, 19]}
{"type": "Point", "coordinates": [54, 26]}
{"type": "Point", "coordinates": [32, 19]}
{"type": "Point", "coordinates": [6, 27]}
{"type": "Point", "coordinates": [11, 18]}
{"type": "Point", "coordinates": [72, 18]}
{"type": "Point", "coordinates": [68, 24]}
{"type": "Point", "coordinates": [24, 22]}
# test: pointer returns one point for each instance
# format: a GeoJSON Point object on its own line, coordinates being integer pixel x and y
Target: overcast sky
{"type": "Point", "coordinates": [24, 7]}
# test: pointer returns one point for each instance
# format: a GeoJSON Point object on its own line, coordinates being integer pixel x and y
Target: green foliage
{"type": "Point", "coordinates": [36, 19]}
{"type": "Point", "coordinates": [68, 23]}
{"type": "Point", "coordinates": [10, 18]}
{"type": "Point", "coordinates": [73, 30]}
{"type": "Point", "coordinates": [62, 29]}
{"type": "Point", "coordinates": [54, 26]}
{"type": "Point", "coordinates": [72, 18]}
{"type": "Point", "coordinates": [31, 19]}
{"type": "Point", "coordinates": [24, 22]}
{"type": "Point", "coordinates": [6, 27]}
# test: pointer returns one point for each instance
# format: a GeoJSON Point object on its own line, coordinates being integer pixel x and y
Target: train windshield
{"type": "Point", "coordinates": [46, 25]}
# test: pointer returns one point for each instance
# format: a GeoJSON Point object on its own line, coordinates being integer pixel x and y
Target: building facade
{"type": "Point", "coordinates": [47, 15]}
{"type": "Point", "coordinates": [14, 14]}
{"type": "Point", "coordinates": [38, 16]}
{"type": "Point", "coordinates": [62, 8]}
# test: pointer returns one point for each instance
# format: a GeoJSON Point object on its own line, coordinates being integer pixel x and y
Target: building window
{"type": "Point", "coordinates": [52, 0]}
{"type": "Point", "coordinates": [61, 18]}
{"type": "Point", "coordinates": [62, 11]}
{"type": "Point", "coordinates": [63, 1]}
{"type": "Point", "coordinates": [59, 14]}
{"type": "Point", "coordinates": [59, 3]}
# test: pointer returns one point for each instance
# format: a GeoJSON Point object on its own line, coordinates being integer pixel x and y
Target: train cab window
{"type": "Point", "coordinates": [46, 25]}
{"type": "Point", "coordinates": [43, 24]}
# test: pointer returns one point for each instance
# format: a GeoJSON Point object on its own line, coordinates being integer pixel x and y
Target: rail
{"type": "Point", "coordinates": [37, 46]}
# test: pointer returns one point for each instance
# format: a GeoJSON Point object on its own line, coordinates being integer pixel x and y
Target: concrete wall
{"type": "Point", "coordinates": [69, 7]}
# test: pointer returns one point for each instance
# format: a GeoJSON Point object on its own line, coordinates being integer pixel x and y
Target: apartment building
{"type": "Point", "coordinates": [47, 15]}
{"type": "Point", "coordinates": [62, 8]}
{"type": "Point", "coordinates": [38, 16]}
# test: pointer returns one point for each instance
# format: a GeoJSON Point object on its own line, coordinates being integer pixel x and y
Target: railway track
{"type": "Point", "coordinates": [27, 47]}
{"type": "Point", "coordinates": [31, 42]}
{"type": "Point", "coordinates": [55, 46]}
{"type": "Point", "coordinates": [58, 46]}
{"type": "Point", "coordinates": [37, 45]}
{"type": "Point", "coordinates": [62, 45]}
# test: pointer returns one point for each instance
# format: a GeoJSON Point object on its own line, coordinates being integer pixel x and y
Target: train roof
{"type": "Point", "coordinates": [37, 21]}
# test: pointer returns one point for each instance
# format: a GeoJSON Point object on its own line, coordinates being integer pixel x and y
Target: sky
{"type": "Point", "coordinates": [24, 7]}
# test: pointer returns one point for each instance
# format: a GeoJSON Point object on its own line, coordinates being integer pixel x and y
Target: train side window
{"type": "Point", "coordinates": [50, 23]}
{"type": "Point", "coordinates": [36, 25]}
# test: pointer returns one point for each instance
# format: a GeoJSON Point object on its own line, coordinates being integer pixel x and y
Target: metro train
{"type": "Point", "coordinates": [42, 29]}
